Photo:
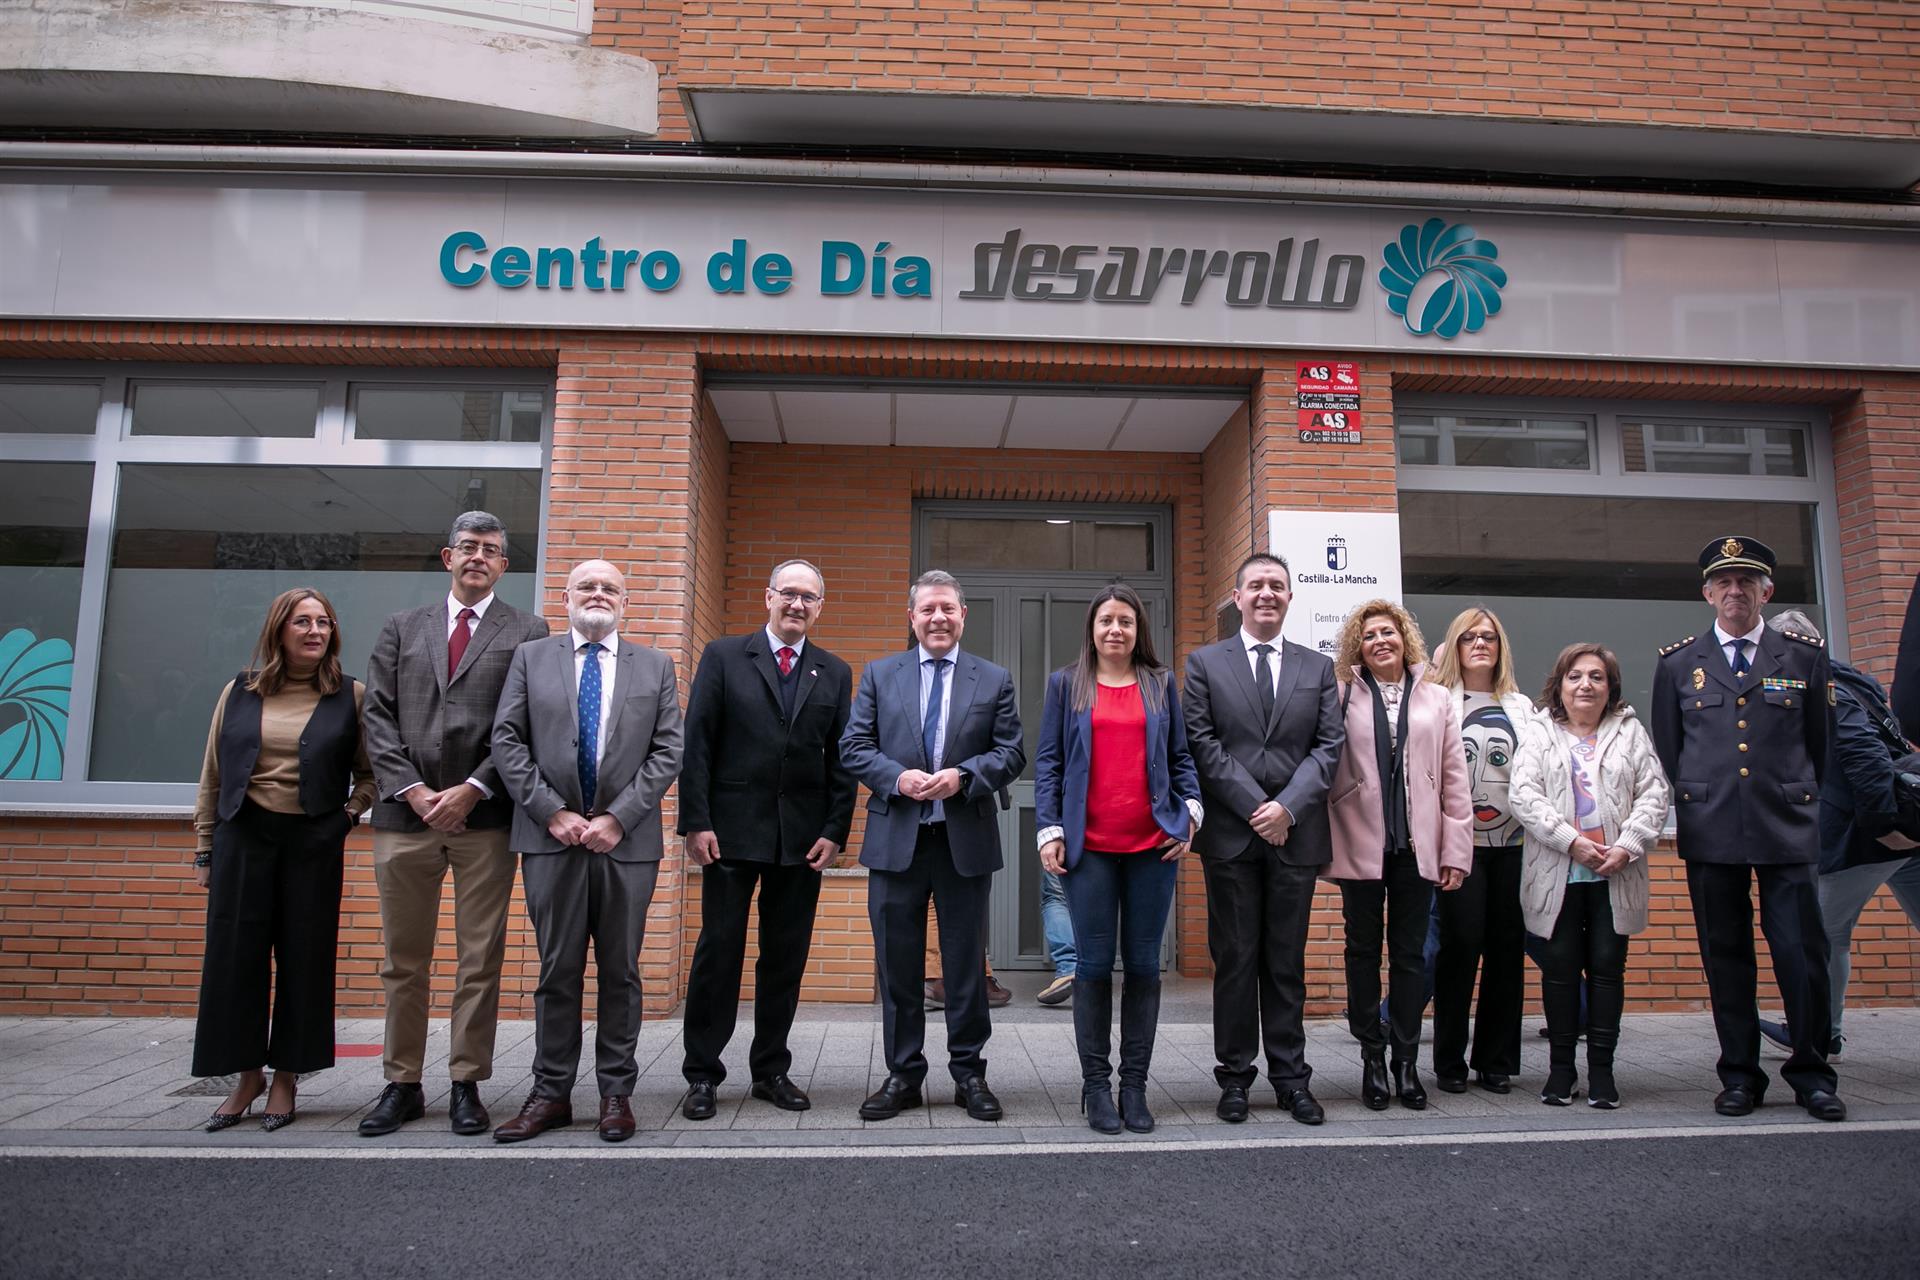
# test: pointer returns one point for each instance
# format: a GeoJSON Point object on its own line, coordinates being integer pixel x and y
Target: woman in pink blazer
{"type": "Point", "coordinates": [1402, 815]}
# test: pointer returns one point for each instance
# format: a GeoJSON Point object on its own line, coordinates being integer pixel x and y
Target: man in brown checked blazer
{"type": "Point", "coordinates": [433, 685]}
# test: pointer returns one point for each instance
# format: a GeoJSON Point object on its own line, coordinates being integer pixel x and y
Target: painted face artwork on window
{"type": "Point", "coordinates": [1489, 738]}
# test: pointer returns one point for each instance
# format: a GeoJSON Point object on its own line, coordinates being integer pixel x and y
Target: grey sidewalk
{"type": "Point", "coordinates": [125, 1081]}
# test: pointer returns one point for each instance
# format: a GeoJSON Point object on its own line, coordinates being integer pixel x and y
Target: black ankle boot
{"type": "Point", "coordinates": [1096, 1101]}
{"type": "Point", "coordinates": [1601, 1090]}
{"type": "Point", "coordinates": [1560, 1089]}
{"type": "Point", "coordinates": [1133, 1109]}
{"type": "Point", "coordinates": [1407, 1086]}
{"type": "Point", "coordinates": [1373, 1079]}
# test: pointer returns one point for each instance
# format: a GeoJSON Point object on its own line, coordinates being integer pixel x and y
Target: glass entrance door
{"type": "Point", "coordinates": [1030, 571]}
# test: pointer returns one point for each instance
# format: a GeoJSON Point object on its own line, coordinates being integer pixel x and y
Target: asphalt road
{"type": "Point", "coordinates": [1826, 1202]}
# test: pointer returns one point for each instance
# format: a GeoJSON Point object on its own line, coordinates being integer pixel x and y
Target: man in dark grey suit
{"type": "Point", "coordinates": [433, 684]}
{"type": "Point", "coordinates": [935, 735]}
{"type": "Point", "coordinates": [587, 741]}
{"type": "Point", "coordinates": [1265, 729]}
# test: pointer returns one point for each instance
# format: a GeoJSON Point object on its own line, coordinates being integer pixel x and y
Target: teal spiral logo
{"type": "Point", "coordinates": [36, 677]}
{"type": "Point", "coordinates": [1442, 280]}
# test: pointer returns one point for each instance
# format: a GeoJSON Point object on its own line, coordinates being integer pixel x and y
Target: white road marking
{"type": "Point", "coordinates": [490, 1151]}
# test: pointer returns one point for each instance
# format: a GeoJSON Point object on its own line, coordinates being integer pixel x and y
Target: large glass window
{"type": "Point", "coordinates": [49, 408]}
{"type": "Point", "coordinates": [147, 519]}
{"type": "Point", "coordinates": [1530, 441]}
{"type": "Point", "coordinates": [211, 546]}
{"type": "Point", "coordinates": [1035, 544]}
{"type": "Point", "coordinates": [446, 413]}
{"type": "Point", "coordinates": [43, 542]}
{"type": "Point", "coordinates": [1612, 556]}
{"type": "Point", "coordinates": [241, 409]}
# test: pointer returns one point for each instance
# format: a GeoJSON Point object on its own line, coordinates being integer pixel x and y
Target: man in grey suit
{"type": "Point", "coordinates": [432, 686]}
{"type": "Point", "coordinates": [935, 735]}
{"type": "Point", "coordinates": [1265, 729]}
{"type": "Point", "coordinates": [587, 741]}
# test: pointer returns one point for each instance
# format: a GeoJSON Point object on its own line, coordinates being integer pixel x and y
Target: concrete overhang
{"type": "Point", "coordinates": [215, 64]}
{"type": "Point", "coordinates": [1314, 137]}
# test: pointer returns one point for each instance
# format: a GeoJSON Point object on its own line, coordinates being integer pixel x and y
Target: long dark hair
{"type": "Point", "coordinates": [1146, 667]}
{"type": "Point", "coordinates": [269, 672]}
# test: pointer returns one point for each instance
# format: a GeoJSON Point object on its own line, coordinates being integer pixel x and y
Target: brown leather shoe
{"type": "Point", "coordinates": [537, 1115]}
{"type": "Point", "coordinates": [616, 1119]}
{"type": "Point", "coordinates": [998, 997]}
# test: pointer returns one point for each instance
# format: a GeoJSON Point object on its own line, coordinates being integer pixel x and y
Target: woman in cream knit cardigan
{"type": "Point", "coordinates": [1592, 797]}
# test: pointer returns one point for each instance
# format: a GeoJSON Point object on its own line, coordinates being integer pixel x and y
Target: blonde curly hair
{"type": "Point", "coordinates": [1347, 644]}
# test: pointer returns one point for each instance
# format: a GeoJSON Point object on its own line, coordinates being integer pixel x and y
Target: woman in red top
{"type": "Point", "coordinates": [1118, 801]}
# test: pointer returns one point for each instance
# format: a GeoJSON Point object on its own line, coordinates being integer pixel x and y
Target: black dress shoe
{"type": "Point", "coordinates": [895, 1094]}
{"type": "Point", "coordinates": [1407, 1086]}
{"type": "Point", "coordinates": [973, 1094]}
{"type": "Point", "coordinates": [1303, 1105]}
{"type": "Point", "coordinates": [1374, 1090]}
{"type": "Point", "coordinates": [466, 1114]}
{"type": "Point", "coordinates": [698, 1104]}
{"type": "Point", "coordinates": [782, 1093]}
{"type": "Point", "coordinates": [1822, 1105]}
{"type": "Point", "coordinates": [1232, 1106]}
{"type": "Point", "coordinates": [1492, 1081]}
{"type": "Point", "coordinates": [1737, 1100]}
{"type": "Point", "coordinates": [1450, 1083]}
{"type": "Point", "coordinates": [398, 1103]}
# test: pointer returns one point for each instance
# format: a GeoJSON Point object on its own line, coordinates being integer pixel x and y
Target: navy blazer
{"type": "Point", "coordinates": [1063, 760]}
{"type": "Point", "coordinates": [983, 741]}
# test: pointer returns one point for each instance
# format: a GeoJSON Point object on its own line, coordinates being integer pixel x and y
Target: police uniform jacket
{"type": "Point", "coordinates": [1746, 755]}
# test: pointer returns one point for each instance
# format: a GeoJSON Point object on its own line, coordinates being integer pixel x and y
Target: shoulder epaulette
{"type": "Point", "coordinates": [1815, 641]}
{"type": "Point", "coordinates": [1677, 644]}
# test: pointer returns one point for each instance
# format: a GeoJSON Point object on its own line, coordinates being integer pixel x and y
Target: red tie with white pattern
{"type": "Point", "coordinates": [786, 661]}
{"type": "Point", "coordinates": [457, 641]}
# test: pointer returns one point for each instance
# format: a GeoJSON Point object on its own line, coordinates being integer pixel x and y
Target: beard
{"type": "Point", "coordinates": [592, 623]}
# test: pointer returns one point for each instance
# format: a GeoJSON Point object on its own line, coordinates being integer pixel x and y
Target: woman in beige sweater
{"type": "Point", "coordinates": [1592, 797]}
{"type": "Point", "coordinates": [284, 780]}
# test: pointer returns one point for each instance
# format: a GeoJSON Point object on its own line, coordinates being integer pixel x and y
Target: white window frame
{"type": "Point", "coordinates": [110, 446]}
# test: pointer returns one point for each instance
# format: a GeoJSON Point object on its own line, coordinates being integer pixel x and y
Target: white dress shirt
{"type": "Point", "coordinates": [952, 656]}
{"type": "Point", "coordinates": [1752, 637]}
{"type": "Point", "coordinates": [612, 646]}
{"type": "Point", "coordinates": [1253, 659]}
{"type": "Point", "coordinates": [453, 620]}
{"type": "Point", "coordinates": [776, 644]}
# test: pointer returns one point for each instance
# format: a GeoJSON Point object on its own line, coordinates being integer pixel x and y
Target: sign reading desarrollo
{"type": "Point", "coordinates": [741, 258]}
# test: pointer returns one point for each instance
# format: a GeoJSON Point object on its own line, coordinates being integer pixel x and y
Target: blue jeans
{"type": "Point", "coordinates": [1057, 923]}
{"type": "Point", "coordinates": [1133, 889]}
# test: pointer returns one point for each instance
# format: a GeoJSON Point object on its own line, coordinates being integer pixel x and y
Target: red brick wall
{"type": "Point", "coordinates": [1848, 69]}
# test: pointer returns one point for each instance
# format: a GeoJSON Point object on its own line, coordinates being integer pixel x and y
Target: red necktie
{"type": "Point", "coordinates": [457, 641]}
{"type": "Point", "coordinates": [786, 661]}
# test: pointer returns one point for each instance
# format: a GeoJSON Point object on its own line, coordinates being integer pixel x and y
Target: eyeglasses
{"type": "Point", "coordinates": [491, 551]}
{"type": "Point", "coordinates": [611, 590]}
{"type": "Point", "coordinates": [310, 624]}
{"type": "Point", "coordinates": [806, 598]}
{"type": "Point", "coordinates": [1487, 638]}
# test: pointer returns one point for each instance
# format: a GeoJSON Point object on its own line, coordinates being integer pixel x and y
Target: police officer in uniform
{"type": "Point", "coordinates": [1740, 721]}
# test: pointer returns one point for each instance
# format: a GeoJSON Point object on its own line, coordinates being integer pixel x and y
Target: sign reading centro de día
{"type": "Point", "coordinates": [745, 257]}
{"type": "Point", "coordinates": [1011, 267]}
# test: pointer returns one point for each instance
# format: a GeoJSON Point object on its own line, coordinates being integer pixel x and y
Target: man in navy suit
{"type": "Point", "coordinates": [935, 735]}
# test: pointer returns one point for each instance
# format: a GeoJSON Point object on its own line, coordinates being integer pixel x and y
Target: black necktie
{"type": "Point", "coordinates": [1265, 680]}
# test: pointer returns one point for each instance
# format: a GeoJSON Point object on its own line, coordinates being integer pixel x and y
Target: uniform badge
{"type": "Point", "coordinates": [1699, 678]}
{"type": "Point", "coordinates": [1833, 695]}
{"type": "Point", "coordinates": [1731, 548]}
{"type": "Point", "coordinates": [1782, 682]}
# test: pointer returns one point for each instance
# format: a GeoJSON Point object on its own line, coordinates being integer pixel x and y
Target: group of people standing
{"type": "Point", "coordinates": [1443, 803]}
